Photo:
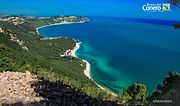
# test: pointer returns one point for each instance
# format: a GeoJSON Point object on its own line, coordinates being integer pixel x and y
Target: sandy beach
{"type": "Point", "coordinates": [75, 49]}
{"type": "Point", "coordinates": [61, 23]}
{"type": "Point", "coordinates": [88, 68]}
{"type": "Point", "coordinates": [73, 54]}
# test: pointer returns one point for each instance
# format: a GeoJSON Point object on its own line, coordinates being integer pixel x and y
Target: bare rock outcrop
{"type": "Point", "coordinates": [19, 89]}
{"type": "Point", "coordinates": [16, 87]}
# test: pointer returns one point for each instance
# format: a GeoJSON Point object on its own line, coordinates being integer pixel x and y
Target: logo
{"type": "Point", "coordinates": [158, 7]}
{"type": "Point", "coordinates": [152, 7]}
{"type": "Point", "coordinates": [166, 7]}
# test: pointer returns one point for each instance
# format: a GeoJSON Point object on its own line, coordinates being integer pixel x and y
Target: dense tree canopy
{"type": "Point", "coordinates": [136, 94]}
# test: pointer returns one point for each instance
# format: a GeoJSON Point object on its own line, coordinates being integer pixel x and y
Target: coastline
{"type": "Point", "coordinates": [88, 69]}
{"type": "Point", "coordinates": [60, 23]}
{"type": "Point", "coordinates": [88, 65]}
{"type": "Point", "coordinates": [73, 54]}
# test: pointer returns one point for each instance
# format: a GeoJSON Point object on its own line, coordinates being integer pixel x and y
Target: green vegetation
{"type": "Point", "coordinates": [169, 91]}
{"type": "Point", "coordinates": [166, 86]}
{"type": "Point", "coordinates": [136, 94]}
{"type": "Point", "coordinates": [37, 22]}
{"type": "Point", "coordinates": [43, 58]}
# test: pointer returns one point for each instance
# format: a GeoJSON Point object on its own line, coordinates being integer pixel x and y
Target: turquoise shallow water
{"type": "Point", "coordinates": [124, 51]}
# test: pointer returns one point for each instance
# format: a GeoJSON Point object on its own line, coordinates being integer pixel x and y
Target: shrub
{"type": "Point", "coordinates": [6, 64]}
{"type": "Point", "coordinates": [136, 94]}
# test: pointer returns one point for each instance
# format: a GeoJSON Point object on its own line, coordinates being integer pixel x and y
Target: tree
{"type": "Point", "coordinates": [136, 93]}
{"type": "Point", "coordinates": [2, 47]}
{"type": "Point", "coordinates": [6, 64]}
{"type": "Point", "coordinates": [166, 86]}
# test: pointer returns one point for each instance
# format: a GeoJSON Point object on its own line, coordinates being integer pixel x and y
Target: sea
{"type": "Point", "coordinates": [124, 51]}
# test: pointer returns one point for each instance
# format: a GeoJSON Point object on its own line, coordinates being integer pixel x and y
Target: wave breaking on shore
{"type": "Point", "coordinates": [88, 68]}
{"type": "Point", "coordinates": [73, 54]}
{"type": "Point", "coordinates": [88, 65]}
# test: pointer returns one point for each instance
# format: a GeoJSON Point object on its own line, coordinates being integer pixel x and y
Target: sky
{"type": "Point", "coordinates": [112, 8]}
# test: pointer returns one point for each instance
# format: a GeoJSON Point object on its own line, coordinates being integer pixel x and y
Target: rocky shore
{"type": "Point", "coordinates": [18, 88]}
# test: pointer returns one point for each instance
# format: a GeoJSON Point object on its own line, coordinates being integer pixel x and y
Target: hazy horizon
{"type": "Point", "coordinates": [110, 8]}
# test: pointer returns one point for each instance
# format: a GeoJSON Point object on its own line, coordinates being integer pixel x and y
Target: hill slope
{"type": "Point", "coordinates": [26, 89]}
{"type": "Point", "coordinates": [21, 48]}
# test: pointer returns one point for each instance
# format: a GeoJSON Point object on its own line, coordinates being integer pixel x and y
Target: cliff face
{"type": "Point", "coordinates": [40, 21]}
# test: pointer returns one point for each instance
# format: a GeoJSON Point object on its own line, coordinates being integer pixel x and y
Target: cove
{"type": "Point", "coordinates": [124, 51]}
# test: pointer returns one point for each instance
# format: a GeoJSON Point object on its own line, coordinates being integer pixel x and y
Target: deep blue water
{"type": "Point", "coordinates": [123, 51]}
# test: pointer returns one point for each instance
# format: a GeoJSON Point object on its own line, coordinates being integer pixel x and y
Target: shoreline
{"type": "Point", "coordinates": [88, 69]}
{"type": "Point", "coordinates": [60, 23]}
{"type": "Point", "coordinates": [88, 65]}
{"type": "Point", "coordinates": [73, 54]}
